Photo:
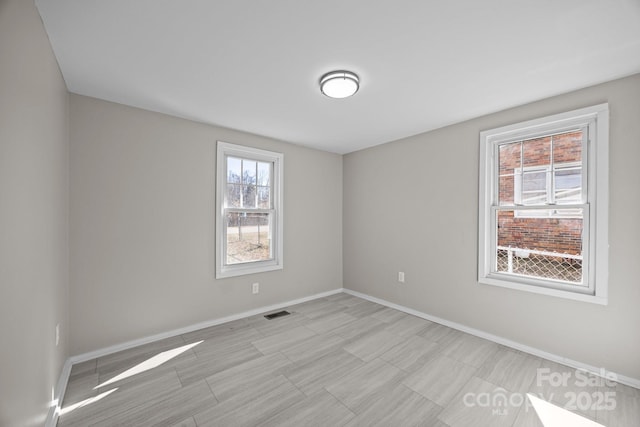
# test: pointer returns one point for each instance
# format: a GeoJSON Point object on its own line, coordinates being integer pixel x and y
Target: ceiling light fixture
{"type": "Point", "coordinates": [339, 84]}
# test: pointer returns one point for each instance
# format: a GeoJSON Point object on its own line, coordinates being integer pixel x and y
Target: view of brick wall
{"type": "Point", "coordinates": [552, 234]}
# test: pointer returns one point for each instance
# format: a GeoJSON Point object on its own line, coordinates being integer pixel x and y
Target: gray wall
{"type": "Point", "coordinates": [412, 206]}
{"type": "Point", "coordinates": [33, 216]}
{"type": "Point", "coordinates": [142, 225]}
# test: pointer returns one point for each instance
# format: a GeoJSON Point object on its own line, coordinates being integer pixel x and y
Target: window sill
{"type": "Point", "coordinates": [559, 293]}
{"type": "Point", "coordinates": [249, 268]}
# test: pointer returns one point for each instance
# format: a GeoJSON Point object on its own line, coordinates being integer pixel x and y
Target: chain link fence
{"type": "Point", "coordinates": [548, 265]}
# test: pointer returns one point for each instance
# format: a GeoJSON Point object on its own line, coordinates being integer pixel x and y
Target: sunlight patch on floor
{"type": "Point", "coordinates": [86, 402]}
{"type": "Point", "coordinates": [152, 362]}
{"type": "Point", "coordinates": [554, 416]}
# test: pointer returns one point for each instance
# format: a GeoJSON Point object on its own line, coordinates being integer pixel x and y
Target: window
{"type": "Point", "coordinates": [249, 210]}
{"type": "Point", "coordinates": [560, 183]}
{"type": "Point", "coordinates": [543, 205]}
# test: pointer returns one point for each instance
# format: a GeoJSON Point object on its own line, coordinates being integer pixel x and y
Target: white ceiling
{"type": "Point", "coordinates": [255, 65]}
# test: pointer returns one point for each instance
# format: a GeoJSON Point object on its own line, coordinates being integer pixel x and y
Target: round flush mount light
{"type": "Point", "coordinates": [339, 84]}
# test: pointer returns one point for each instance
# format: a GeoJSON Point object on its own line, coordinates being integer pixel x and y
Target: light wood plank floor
{"type": "Point", "coordinates": [335, 361]}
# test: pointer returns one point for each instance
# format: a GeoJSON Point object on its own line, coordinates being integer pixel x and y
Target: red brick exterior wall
{"type": "Point", "coordinates": [561, 235]}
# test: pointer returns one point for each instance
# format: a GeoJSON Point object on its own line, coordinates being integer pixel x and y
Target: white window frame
{"type": "Point", "coordinates": [595, 175]}
{"type": "Point", "coordinates": [225, 150]}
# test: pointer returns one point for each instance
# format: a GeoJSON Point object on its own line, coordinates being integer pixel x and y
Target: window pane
{"type": "Point", "coordinates": [263, 197]}
{"type": "Point", "coordinates": [234, 171]}
{"type": "Point", "coordinates": [567, 147]}
{"type": "Point", "coordinates": [567, 158]}
{"type": "Point", "coordinates": [545, 247]}
{"type": "Point", "coordinates": [248, 237]}
{"type": "Point", "coordinates": [233, 195]}
{"type": "Point", "coordinates": [536, 152]}
{"type": "Point", "coordinates": [534, 181]}
{"type": "Point", "coordinates": [509, 162]}
{"type": "Point", "coordinates": [249, 196]}
{"type": "Point", "coordinates": [248, 172]}
{"type": "Point", "coordinates": [534, 187]}
{"type": "Point", "coordinates": [264, 174]}
{"type": "Point", "coordinates": [568, 185]}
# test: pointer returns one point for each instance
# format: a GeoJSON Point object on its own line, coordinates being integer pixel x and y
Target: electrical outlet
{"type": "Point", "coordinates": [57, 334]}
{"type": "Point", "coordinates": [256, 288]}
{"type": "Point", "coordinates": [401, 276]}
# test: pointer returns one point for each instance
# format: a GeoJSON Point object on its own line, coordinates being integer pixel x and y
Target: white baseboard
{"type": "Point", "coordinates": [622, 379]}
{"type": "Point", "coordinates": [206, 324]}
{"type": "Point", "coordinates": [60, 389]}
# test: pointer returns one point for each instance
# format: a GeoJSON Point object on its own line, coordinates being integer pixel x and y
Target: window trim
{"type": "Point", "coordinates": [224, 150]}
{"type": "Point", "coordinates": [596, 174]}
